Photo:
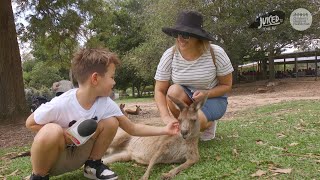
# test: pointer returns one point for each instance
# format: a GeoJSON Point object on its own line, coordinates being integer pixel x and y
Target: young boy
{"type": "Point", "coordinates": [52, 151]}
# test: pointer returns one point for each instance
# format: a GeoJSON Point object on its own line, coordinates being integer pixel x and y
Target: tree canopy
{"type": "Point", "coordinates": [132, 29]}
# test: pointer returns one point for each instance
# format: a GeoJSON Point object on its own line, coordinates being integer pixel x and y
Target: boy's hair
{"type": "Point", "coordinates": [88, 61]}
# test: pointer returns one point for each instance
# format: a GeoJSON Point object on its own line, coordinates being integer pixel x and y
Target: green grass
{"type": "Point", "coordinates": [135, 100]}
{"type": "Point", "coordinates": [258, 139]}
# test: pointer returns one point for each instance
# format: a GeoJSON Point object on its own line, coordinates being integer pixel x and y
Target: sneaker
{"type": "Point", "coordinates": [38, 177]}
{"type": "Point", "coordinates": [95, 169]}
{"type": "Point", "coordinates": [210, 132]}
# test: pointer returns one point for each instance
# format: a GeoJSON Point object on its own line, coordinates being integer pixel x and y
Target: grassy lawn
{"type": "Point", "coordinates": [279, 141]}
{"type": "Point", "coordinates": [135, 100]}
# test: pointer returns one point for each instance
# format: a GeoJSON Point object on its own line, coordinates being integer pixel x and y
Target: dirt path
{"type": "Point", "coordinates": [243, 96]}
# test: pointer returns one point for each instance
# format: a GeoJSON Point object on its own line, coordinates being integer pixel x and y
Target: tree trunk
{"type": "Point", "coordinates": [12, 98]}
{"type": "Point", "coordinates": [133, 93]}
{"type": "Point", "coordinates": [264, 69]}
{"type": "Point", "coordinates": [271, 63]}
{"type": "Point", "coordinates": [138, 87]}
{"type": "Point", "coordinates": [235, 77]}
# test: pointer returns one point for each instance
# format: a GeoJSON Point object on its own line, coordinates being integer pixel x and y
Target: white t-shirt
{"type": "Point", "coordinates": [66, 108]}
{"type": "Point", "coordinates": [199, 74]}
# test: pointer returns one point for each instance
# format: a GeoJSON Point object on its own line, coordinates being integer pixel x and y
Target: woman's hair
{"type": "Point", "coordinates": [88, 61]}
{"type": "Point", "coordinates": [203, 45]}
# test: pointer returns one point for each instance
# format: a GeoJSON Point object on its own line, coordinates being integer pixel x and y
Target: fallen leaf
{"type": "Point", "coordinates": [229, 174]}
{"type": "Point", "coordinates": [278, 148]}
{"type": "Point", "coordinates": [282, 171]}
{"type": "Point", "coordinates": [233, 136]}
{"type": "Point", "coordinates": [285, 149]}
{"type": "Point", "coordinates": [293, 144]}
{"type": "Point", "coordinates": [235, 152]}
{"type": "Point", "coordinates": [255, 162]}
{"type": "Point", "coordinates": [218, 158]}
{"type": "Point", "coordinates": [272, 166]}
{"type": "Point", "coordinates": [260, 142]}
{"type": "Point", "coordinates": [299, 128]}
{"type": "Point", "coordinates": [259, 173]}
{"type": "Point", "coordinates": [14, 173]}
{"type": "Point", "coordinates": [280, 135]}
{"type": "Point", "coordinates": [10, 153]}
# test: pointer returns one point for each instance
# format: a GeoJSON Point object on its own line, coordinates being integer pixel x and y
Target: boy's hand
{"type": "Point", "coordinates": [173, 128]}
{"type": "Point", "coordinates": [67, 137]}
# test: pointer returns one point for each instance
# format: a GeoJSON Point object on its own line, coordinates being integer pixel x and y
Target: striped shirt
{"type": "Point", "coordinates": [199, 74]}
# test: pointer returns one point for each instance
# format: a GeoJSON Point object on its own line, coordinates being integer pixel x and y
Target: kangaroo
{"type": "Point", "coordinates": [122, 109]}
{"type": "Point", "coordinates": [181, 148]}
{"type": "Point", "coordinates": [133, 112]}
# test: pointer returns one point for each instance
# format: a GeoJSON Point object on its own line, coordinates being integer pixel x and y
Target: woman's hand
{"type": "Point", "coordinates": [172, 128]}
{"type": "Point", "coordinates": [197, 95]}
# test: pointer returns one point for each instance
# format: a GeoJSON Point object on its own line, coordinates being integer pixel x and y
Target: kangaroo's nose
{"type": "Point", "coordinates": [184, 132]}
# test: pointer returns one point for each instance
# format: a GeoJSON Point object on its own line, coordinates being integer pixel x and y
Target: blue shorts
{"type": "Point", "coordinates": [214, 108]}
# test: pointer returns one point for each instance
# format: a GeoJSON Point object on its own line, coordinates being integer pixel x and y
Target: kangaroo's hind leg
{"type": "Point", "coordinates": [154, 160]}
{"type": "Point", "coordinates": [176, 170]}
{"type": "Point", "coordinates": [117, 157]}
{"type": "Point", "coordinates": [192, 158]}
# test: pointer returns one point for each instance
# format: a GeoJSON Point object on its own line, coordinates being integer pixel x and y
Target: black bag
{"type": "Point", "coordinates": [37, 101]}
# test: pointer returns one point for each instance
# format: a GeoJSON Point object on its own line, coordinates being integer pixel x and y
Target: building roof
{"type": "Point", "coordinates": [289, 58]}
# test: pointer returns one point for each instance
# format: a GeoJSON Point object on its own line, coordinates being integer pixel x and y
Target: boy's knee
{"type": "Point", "coordinates": [109, 123]}
{"type": "Point", "coordinates": [106, 128]}
{"type": "Point", "coordinates": [49, 134]}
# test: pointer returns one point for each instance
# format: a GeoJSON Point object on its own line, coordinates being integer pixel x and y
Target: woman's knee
{"type": "Point", "coordinates": [175, 90]}
{"type": "Point", "coordinates": [178, 92]}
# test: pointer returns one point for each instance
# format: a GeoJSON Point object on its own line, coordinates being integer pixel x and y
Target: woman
{"type": "Point", "coordinates": [196, 68]}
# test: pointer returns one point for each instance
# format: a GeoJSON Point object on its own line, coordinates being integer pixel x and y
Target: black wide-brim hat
{"type": "Point", "coordinates": [190, 22]}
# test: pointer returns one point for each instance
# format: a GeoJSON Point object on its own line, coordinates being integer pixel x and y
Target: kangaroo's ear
{"type": "Point", "coordinates": [180, 105]}
{"type": "Point", "coordinates": [198, 104]}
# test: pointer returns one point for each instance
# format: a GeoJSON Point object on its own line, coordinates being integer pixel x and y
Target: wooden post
{"type": "Point", "coordinates": [316, 68]}
{"type": "Point", "coordinates": [295, 66]}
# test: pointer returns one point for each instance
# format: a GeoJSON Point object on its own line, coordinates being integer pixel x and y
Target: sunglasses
{"type": "Point", "coordinates": [185, 36]}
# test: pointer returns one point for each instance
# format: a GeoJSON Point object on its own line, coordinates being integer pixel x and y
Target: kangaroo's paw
{"type": "Point", "coordinates": [144, 178]}
{"type": "Point", "coordinates": [167, 176]}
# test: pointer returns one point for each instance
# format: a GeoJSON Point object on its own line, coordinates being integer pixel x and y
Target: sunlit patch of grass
{"type": "Point", "coordinates": [280, 136]}
{"type": "Point", "coordinates": [135, 100]}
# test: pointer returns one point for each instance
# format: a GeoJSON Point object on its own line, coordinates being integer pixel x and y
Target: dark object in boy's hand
{"type": "Point", "coordinates": [87, 127]}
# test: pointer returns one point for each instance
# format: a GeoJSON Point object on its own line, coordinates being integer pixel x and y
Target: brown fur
{"type": "Point", "coordinates": [182, 148]}
{"type": "Point", "coordinates": [122, 109]}
{"type": "Point", "coordinates": [130, 111]}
